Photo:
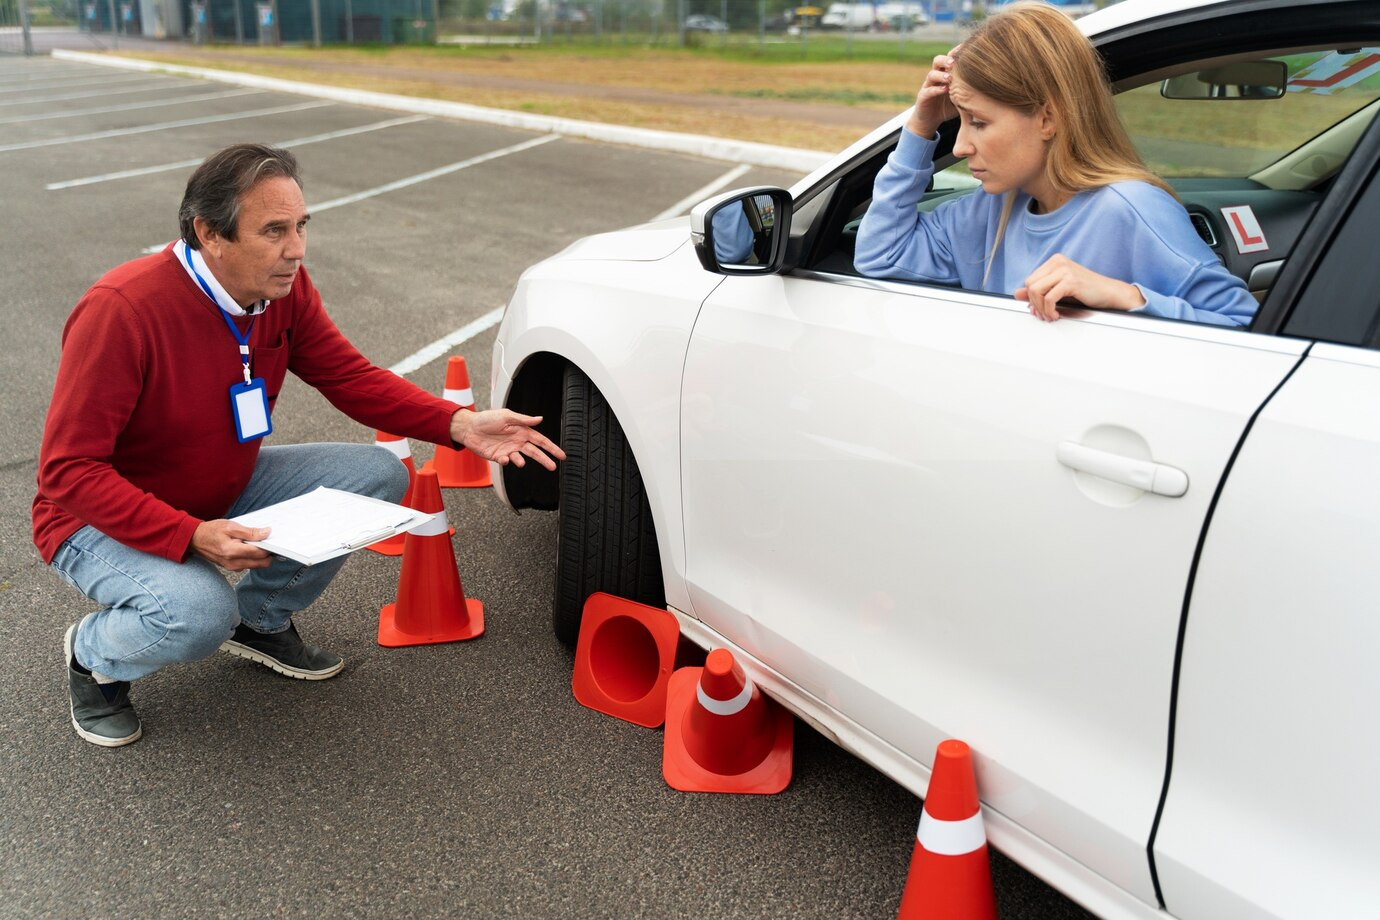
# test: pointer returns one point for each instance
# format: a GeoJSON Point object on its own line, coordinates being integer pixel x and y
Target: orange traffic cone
{"type": "Point", "coordinates": [949, 874]}
{"type": "Point", "coordinates": [624, 659]}
{"type": "Point", "coordinates": [459, 468]}
{"type": "Point", "coordinates": [393, 546]}
{"type": "Point", "coordinates": [722, 734]}
{"type": "Point", "coordinates": [431, 605]}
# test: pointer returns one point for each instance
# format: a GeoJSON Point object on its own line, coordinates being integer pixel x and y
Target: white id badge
{"type": "Point", "coordinates": [249, 403]}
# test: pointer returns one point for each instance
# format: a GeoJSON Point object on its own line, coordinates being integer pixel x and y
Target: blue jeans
{"type": "Point", "coordinates": [159, 612]}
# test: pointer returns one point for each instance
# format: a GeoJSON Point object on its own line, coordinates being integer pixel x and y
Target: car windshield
{"type": "Point", "coordinates": [1235, 136]}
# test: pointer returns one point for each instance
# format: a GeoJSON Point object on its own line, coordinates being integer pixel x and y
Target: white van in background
{"type": "Point", "coordinates": [854, 16]}
{"type": "Point", "coordinates": [891, 15]}
{"type": "Point", "coordinates": [880, 16]}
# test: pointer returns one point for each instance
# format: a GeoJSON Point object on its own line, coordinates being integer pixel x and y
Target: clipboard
{"type": "Point", "coordinates": [326, 523]}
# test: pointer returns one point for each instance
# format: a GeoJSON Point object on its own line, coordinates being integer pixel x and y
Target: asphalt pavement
{"type": "Point", "coordinates": [458, 780]}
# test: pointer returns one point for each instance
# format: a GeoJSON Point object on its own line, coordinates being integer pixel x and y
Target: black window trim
{"type": "Point", "coordinates": [1333, 218]}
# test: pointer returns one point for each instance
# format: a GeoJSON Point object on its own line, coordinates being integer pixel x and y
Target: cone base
{"type": "Point", "coordinates": [460, 479]}
{"type": "Point", "coordinates": [949, 887]}
{"type": "Point", "coordinates": [624, 658]}
{"type": "Point", "coordinates": [684, 773]}
{"type": "Point", "coordinates": [390, 636]}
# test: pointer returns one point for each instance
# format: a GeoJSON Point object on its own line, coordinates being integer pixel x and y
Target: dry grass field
{"type": "Point", "coordinates": [818, 105]}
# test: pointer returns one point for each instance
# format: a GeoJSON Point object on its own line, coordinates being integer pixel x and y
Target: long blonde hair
{"type": "Point", "coordinates": [1030, 55]}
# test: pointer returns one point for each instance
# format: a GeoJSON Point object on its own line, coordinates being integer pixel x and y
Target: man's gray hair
{"type": "Point", "coordinates": [216, 188]}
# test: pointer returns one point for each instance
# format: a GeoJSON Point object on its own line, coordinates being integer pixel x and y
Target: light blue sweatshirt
{"type": "Point", "coordinates": [732, 236]}
{"type": "Point", "coordinates": [1132, 231]}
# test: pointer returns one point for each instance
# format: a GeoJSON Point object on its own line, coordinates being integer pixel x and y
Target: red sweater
{"type": "Point", "coordinates": [140, 441]}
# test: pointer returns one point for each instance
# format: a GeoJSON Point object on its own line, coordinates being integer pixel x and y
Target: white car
{"type": "Point", "coordinates": [704, 23]}
{"type": "Point", "coordinates": [1134, 563]}
{"type": "Point", "coordinates": [849, 16]}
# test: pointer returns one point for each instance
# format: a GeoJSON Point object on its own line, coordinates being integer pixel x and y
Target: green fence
{"type": "Point", "coordinates": [311, 21]}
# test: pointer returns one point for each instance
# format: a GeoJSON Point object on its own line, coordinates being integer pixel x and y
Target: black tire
{"type": "Point", "coordinates": [607, 540]}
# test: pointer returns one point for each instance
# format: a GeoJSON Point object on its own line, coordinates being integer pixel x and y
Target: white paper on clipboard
{"type": "Point", "coordinates": [326, 523]}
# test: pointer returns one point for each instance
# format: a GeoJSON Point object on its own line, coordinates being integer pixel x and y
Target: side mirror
{"type": "Point", "coordinates": [742, 232]}
{"type": "Point", "coordinates": [1241, 80]}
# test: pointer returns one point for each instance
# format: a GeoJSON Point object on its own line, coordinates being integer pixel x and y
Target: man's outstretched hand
{"type": "Point", "coordinates": [504, 437]}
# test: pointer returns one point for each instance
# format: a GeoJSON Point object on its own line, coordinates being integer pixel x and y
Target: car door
{"type": "Point", "coordinates": [899, 497]}
{"type": "Point", "coordinates": [1271, 803]}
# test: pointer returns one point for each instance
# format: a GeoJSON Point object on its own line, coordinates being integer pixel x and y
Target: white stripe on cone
{"type": "Point", "coordinates": [726, 707]}
{"type": "Point", "coordinates": [462, 398]}
{"type": "Point", "coordinates": [951, 838]}
{"type": "Point", "coordinates": [398, 447]}
{"type": "Point", "coordinates": [432, 528]}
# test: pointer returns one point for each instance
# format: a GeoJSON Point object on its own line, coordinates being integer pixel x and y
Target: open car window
{"type": "Point", "coordinates": [1249, 163]}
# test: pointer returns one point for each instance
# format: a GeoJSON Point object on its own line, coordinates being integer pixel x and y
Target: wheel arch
{"type": "Point", "coordinates": [536, 390]}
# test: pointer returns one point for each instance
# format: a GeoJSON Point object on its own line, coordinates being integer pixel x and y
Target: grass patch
{"type": "Point", "coordinates": [821, 47]}
{"type": "Point", "coordinates": [549, 79]}
{"type": "Point", "coordinates": [895, 101]}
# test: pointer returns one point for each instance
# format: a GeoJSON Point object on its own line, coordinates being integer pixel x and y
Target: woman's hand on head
{"type": "Point", "coordinates": [933, 106]}
{"type": "Point", "coordinates": [1061, 278]}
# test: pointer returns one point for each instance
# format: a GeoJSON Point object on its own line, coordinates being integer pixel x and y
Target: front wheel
{"type": "Point", "coordinates": [607, 541]}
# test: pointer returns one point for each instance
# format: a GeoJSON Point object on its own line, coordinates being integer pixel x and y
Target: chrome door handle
{"type": "Point", "coordinates": [1146, 475]}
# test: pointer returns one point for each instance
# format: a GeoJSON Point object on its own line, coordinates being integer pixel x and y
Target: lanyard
{"type": "Point", "coordinates": [242, 338]}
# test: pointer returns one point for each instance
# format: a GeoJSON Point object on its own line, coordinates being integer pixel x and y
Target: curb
{"type": "Point", "coordinates": [715, 148]}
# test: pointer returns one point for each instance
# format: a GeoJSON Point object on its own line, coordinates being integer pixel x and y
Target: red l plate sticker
{"type": "Point", "coordinates": [1245, 229]}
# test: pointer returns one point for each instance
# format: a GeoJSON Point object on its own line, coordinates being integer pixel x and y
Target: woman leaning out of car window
{"type": "Point", "coordinates": [1067, 209]}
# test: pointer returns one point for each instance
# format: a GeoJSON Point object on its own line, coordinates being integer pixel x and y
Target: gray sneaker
{"type": "Point", "coordinates": [107, 721]}
{"type": "Point", "coordinates": [284, 652]}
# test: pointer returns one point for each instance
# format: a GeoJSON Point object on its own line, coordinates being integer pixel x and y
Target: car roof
{"type": "Point", "coordinates": [1129, 11]}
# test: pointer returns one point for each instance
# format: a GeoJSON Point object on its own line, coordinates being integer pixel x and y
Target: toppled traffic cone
{"type": "Point", "coordinates": [722, 733]}
{"type": "Point", "coordinates": [949, 875]}
{"type": "Point", "coordinates": [393, 546]}
{"type": "Point", "coordinates": [459, 468]}
{"type": "Point", "coordinates": [624, 659]}
{"type": "Point", "coordinates": [431, 605]}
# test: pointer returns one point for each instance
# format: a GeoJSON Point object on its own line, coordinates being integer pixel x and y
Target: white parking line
{"type": "Point", "coordinates": [410, 180]}
{"type": "Point", "coordinates": [163, 126]}
{"type": "Point", "coordinates": [29, 72]}
{"type": "Point", "coordinates": [196, 161]}
{"type": "Point", "coordinates": [129, 106]}
{"type": "Point", "coordinates": [695, 197]}
{"type": "Point", "coordinates": [66, 83]}
{"type": "Point", "coordinates": [93, 94]}
{"type": "Point", "coordinates": [434, 174]}
{"type": "Point", "coordinates": [40, 72]}
{"type": "Point", "coordinates": [439, 347]}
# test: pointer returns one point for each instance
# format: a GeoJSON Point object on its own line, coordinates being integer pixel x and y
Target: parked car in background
{"type": "Point", "coordinates": [803, 17]}
{"type": "Point", "coordinates": [902, 16]}
{"type": "Point", "coordinates": [1131, 561]}
{"type": "Point", "coordinates": [864, 15]}
{"type": "Point", "coordinates": [700, 22]}
{"type": "Point", "coordinates": [855, 16]}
